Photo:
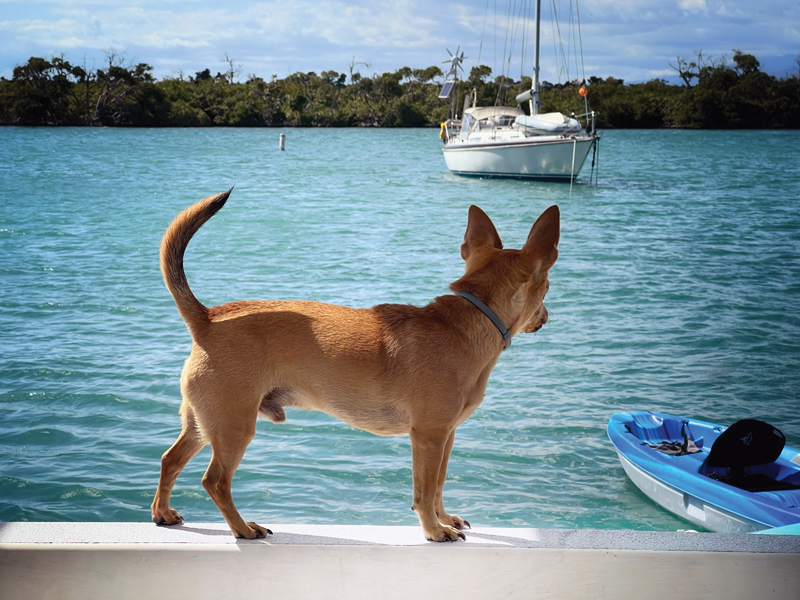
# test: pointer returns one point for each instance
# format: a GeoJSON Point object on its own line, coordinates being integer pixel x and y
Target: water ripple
{"type": "Point", "coordinates": [676, 290]}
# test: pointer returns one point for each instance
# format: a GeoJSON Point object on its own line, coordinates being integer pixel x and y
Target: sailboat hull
{"type": "Point", "coordinates": [527, 158]}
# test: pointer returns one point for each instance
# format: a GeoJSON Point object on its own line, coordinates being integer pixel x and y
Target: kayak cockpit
{"type": "Point", "coordinates": [744, 455]}
{"type": "Point", "coordinates": [731, 479]}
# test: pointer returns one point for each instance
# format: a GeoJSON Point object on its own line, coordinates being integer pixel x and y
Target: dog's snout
{"type": "Point", "coordinates": [536, 322]}
{"type": "Point", "coordinates": [542, 319]}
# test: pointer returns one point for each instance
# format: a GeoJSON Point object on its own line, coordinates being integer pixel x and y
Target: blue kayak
{"type": "Point", "coordinates": [729, 490]}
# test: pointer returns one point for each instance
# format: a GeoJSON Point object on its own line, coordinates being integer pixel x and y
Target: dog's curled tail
{"type": "Point", "coordinates": [173, 247]}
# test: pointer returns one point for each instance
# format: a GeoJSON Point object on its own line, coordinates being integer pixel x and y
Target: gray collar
{"type": "Point", "coordinates": [492, 317]}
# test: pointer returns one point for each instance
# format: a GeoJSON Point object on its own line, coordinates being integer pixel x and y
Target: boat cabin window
{"type": "Point", "coordinates": [469, 124]}
{"type": "Point", "coordinates": [466, 124]}
{"type": "Point", "coordinates": [504, 120]}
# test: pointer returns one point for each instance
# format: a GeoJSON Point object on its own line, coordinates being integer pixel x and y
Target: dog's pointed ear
{"type": "Point", "coordinates": [542, 243]}
{"type": "Point", "coordinates": [480, 232]}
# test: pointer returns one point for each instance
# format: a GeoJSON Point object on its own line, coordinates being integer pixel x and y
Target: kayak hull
{"type": "Point", "coordinates": [678, 483]}
{"type": "Point", "coordinates": [686, 506]}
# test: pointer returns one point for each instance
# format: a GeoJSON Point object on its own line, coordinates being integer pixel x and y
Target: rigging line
{"type": "Point", "coordinates": [511, 28]}
{"type": "Point", "coordinates": [556, 40]}
{"type": "Point", "coordinates": [528, 33]}
{"type": "Point", "coordinates": [505, 41]}
{"type": "Point", "coordinates": [503, 64]}
{"type": "Point", "coordinates": [553, 21]}
{"type": "Point", "coordinates": [564, 54]}
{"type": "Point", "coordinates": [523, 23]}
{"type": "Point", "coordinates": [580, 38]}
{"type": "Point", "coordinates": [583, 66]}
{"type": "Point", "coordinates": [519, 31]}
{"type": "Point", "coordinates": [573, 36]}
{"type": "Point", "coordinates": [567, 77]}
{"type": "Point", "coordinates": [570, 41]}
{"type": "Point", "coordinates": [525, 16]}
{"type": "Point", "coordinates": [480, 49]}
{"type": "Point", "coordinates": [519, 26]}
{"type": "Point", "coordinates": [557, 31]}
{"type": "Point", "coordinates": [517, 23]}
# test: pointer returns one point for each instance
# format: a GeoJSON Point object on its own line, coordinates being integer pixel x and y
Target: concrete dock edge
{"type": "Point", "coordinates": [90, 561]}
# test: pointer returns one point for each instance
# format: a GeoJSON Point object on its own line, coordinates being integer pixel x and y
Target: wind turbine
{"type": "Point", "coordinates": [455, 63]}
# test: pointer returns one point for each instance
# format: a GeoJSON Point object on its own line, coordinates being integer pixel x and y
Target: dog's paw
{"type": "Point", "coordinates": [454, 521]}
{"type": "Point", "coordinates": [168, 517]}
{"type": "Point", "coordinates": [444, 533]}
{"type": "Point", "coordinates": [253, 531]}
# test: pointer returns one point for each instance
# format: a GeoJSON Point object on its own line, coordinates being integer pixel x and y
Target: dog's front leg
{"type": "Point", "coordinates": [427, 454]}
{"type": "Point", "coordinates": [445, 518]}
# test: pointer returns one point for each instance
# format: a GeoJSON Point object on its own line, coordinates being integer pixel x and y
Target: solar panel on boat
{"type": "Point", "coordinates": [447, 89]}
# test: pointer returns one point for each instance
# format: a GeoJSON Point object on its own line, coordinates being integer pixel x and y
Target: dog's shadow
{"type": "Point", "coordinates": [198, 530]}
{"type": "Point", "coordinates": [279, 538]}
{"type": "Point", "coordinates": [304, 539]}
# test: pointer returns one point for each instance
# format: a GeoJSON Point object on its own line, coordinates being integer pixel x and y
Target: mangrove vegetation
{"type": "Point", "coordinates": [714, 94]}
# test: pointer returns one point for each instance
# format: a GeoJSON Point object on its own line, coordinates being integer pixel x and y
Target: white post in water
{"type": "Point", "coordinates": [535, 101]}
{"type": "Point", "coordinates": [282, 142]}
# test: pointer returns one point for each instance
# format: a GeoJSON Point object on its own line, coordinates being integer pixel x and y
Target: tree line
{"type": "Point", "coordinates": [715, 94]}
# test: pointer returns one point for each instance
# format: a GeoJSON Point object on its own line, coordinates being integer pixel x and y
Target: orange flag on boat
{"type": "Point", "coordinates": [582, 91]}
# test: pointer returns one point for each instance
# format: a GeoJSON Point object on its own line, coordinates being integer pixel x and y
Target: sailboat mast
{"type": "Point", "coordinates": [535, 100]}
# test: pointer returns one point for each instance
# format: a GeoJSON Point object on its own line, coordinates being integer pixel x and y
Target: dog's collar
{"type": "Point", "coordinates": [492, 317]}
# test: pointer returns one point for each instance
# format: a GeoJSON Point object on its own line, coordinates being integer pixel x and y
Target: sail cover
{"type": "Point", "coordinates": [549, 124]}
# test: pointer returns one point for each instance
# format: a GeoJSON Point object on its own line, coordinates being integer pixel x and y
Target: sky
{"type": "Point", "coordinates": [633, 40]}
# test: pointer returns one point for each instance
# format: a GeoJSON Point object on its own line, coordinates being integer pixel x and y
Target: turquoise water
{"type": "Point", "coordinates": [677, 289]}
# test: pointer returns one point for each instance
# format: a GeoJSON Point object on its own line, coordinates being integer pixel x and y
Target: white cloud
{"type": "Point", "coordinates": [629, 39]}
{"type": "Point", "coordinates": [693, 5]}
{"type": "Point", "coordinates": [662, 72]}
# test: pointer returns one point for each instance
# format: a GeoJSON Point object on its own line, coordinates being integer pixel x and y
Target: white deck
{"type": "Point", "coordinates": [202, 560]}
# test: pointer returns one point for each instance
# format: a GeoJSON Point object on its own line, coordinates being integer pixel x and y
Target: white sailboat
{"type": "Point", "coordinates": [502, 141]}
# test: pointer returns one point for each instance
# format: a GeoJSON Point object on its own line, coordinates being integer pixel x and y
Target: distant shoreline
{"type": "Point", "coordinates": [715, 95]}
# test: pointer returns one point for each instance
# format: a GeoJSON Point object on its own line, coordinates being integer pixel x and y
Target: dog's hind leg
{"type": "Point", "coordinates": [228, 446]}
{"type": "Point", "coordinates": [188, 444]}
{"type": "Point", "coordinates": [444, 518]}
{"type": "Point", "coordinates": [427, 456]}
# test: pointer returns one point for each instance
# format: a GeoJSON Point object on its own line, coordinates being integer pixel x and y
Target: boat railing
{"type": "Point", "coordinates": [586, 116]}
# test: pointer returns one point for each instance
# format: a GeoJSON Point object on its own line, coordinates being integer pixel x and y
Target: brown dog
{"type": "Point", "coordinates": [391, 370]}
